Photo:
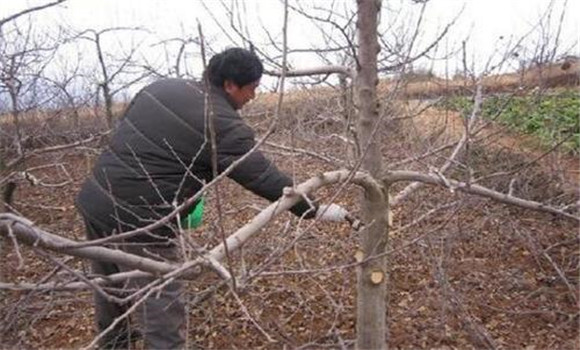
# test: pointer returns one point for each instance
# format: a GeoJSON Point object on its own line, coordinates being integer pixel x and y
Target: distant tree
{"type": "Point", "coordinates": [116, 71]}
{"type": "Point", "coordinates": [24, 55]}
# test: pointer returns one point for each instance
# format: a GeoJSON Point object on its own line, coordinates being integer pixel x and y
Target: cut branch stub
{"type": "Point", "coordinates": [377, 277]}
{"type": "Point", "coordinates": [359, 256]}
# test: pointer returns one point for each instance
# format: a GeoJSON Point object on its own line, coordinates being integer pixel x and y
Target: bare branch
{"type": "Point", "coordinates": [25, 231]}
{"type": "Point", "coordinates": [315, 71]}
{"type": "Point", "coordinates": [55, 148]}
{"type": "Point", "coordinates": [30, 10]}
{"type": "Point", "coordinates": [474, 117]}
{"type": "Point", "coordinates": [328, 159]}
{"type": "Point", "coordinates": [401, 175]}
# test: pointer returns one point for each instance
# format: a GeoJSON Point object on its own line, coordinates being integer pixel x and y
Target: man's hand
{"type": "Point", "coordinates": [331, 212]}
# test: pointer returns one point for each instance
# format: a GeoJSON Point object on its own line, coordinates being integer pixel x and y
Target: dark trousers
{"type": "Point", "coordinates": [160, 318]}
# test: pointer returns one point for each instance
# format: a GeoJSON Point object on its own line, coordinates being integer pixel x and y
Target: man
{"type": "Point", "coordinates": [159, 155]}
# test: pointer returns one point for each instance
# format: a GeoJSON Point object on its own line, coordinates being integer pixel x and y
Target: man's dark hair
{"type": "Point", "coordinates": [236, 64]}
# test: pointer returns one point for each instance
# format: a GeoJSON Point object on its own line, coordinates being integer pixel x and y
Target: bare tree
{"type": "Point", "coordinates": [116, 73]}
{"type": "Point", "coordinates": [25, 54]}
{"type": "Point", "coordinates": [372, 274]}
{"type": "Point", "coordinates": [180, 57]}
{"type": "Point", "coordinates": [438, 163]}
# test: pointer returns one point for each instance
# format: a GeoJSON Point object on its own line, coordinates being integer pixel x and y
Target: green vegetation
{"type": "Point", "coordinates": [551, 118]}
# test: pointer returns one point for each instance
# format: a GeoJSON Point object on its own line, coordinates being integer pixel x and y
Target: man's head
{"type": "Point", "coordinates": [238, 72]}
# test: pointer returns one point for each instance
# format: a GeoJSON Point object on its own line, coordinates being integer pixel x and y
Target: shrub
{"type": "Point", "coordinates": [551, 118]}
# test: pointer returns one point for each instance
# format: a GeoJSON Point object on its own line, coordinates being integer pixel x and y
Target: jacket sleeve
{"type": "Point", "coordinates": [256, 173]}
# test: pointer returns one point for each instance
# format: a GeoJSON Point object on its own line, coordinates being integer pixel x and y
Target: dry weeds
{"type": "Point", "coordinates": [472, 274]}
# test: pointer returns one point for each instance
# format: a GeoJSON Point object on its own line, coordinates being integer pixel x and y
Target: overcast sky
{"type": "Point", "coordinates": [484, 22]}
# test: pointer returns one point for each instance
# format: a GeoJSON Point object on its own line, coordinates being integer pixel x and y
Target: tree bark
{"type": "Point", "coordinates": [372, 273]}
{"type": "Point", "coordinates": [105, 85]}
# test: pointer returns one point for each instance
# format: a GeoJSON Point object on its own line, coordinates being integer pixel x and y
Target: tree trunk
{"type": "Point", "coordinates": [371, 274]}
{"type": "Point", "coordinates": [5, 202]}
{"type": "Point", "coordinates": [13, 91]}
{"type": "Point", "coordinates": [105, 84]}
{"type": "Point", "coordinates": [108, 105]}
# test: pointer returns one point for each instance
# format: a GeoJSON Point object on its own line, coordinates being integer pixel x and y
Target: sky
{"type": "Point", "coordinates": [488, 24]}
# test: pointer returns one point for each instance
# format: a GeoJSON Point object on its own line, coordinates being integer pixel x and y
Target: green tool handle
{"type": "Point", "coordinates": [195, 216]}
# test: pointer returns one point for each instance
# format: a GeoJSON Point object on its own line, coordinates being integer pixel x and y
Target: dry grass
{"type": "Point", "coordinates": [473, 269]}
{"type": "Point", "coordinates": [556, 75]}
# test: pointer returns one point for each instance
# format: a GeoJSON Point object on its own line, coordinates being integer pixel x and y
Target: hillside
{"type": "Point", "coordinates": [565, 74]}
{"type": "Point", "coordinates": [465, 272]}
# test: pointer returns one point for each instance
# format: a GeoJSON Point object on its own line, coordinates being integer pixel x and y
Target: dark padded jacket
{"type": "Point", "coordinates": [159, 156]}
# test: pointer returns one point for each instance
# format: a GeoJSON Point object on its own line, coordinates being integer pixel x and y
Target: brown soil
{"type": "Point", "coordinates": [474, 275]}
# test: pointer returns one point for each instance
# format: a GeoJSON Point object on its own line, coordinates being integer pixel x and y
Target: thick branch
{"type": "Point", "coordinates": [395, 176]}
{"type": "Point", "coordinates": [30, 10]}
{"type": "Point", "coordinates": [58, 286]}
{"type": "Point", "coordinates": [25, 232]}
{"type": "Point", "coordinates": [290, 198]}
{"type": "Point", "coordinates": [315, 71]}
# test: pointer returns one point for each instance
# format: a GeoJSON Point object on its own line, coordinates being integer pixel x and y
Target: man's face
{"type": "Point", "coordinates": [241, 94]}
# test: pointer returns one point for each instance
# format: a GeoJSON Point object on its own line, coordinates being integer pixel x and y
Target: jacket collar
{"type": "Point", "coordinates": [219, 91]}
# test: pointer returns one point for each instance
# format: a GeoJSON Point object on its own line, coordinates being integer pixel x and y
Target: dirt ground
{"type": "Point", "coordinates": [472, 274]}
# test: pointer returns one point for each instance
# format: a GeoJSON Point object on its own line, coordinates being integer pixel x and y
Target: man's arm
{"type": "Point", "coordinates": [256, 173]}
